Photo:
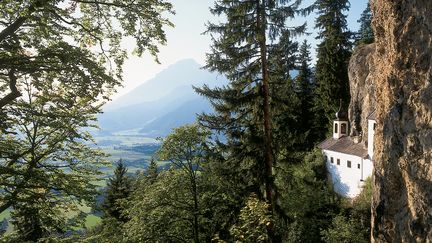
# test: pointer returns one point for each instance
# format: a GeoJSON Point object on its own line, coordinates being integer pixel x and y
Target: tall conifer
{"type": "Point", "coordinates": [152, 171]}
{"type": "Point", "coordinates": [304, 87]}
{"type": "Point", "coordinates": [119, 188]}
{"type": "Point", "coordinates": [285, 102]}
{"type": "Point", "coordinates": [333, 55]}
{"type": "Point", "coordinates": [365, 34]}
{"type": "Point", "coordinates": [241, 51]}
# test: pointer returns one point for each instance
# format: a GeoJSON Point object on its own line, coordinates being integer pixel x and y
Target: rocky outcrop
{"type": "Point", "coordinates": [362, 90]}
{"type": "Point", "coordinates": [402, 198]}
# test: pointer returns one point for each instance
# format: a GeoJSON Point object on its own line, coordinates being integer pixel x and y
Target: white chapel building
{"type": "Point", "coordinates": [348, 161]}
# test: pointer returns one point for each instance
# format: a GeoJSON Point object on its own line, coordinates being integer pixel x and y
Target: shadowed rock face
{"type": "Point", "coordinates": [362, 89]}
{"type": "Point", "coordinates": [402, 199]}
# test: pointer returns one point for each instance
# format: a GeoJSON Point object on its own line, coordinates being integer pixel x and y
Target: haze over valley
{"type": "Point", "coordinates": [160, 104]}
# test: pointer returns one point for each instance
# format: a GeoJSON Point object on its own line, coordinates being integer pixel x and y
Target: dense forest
{"type": "Point", "coordinates": [247, 172]}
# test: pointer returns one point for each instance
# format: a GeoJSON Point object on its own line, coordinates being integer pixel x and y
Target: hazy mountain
{"type": "Point", "coordinates": [164, 102]}
{"type": "Point", "coordinates": [137, 115]}
{"type": "Point", "coordinates": [182, 73]}
{"type": "Point", "coordinates": [185, 114]}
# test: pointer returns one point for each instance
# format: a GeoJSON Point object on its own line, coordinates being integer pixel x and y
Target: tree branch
{"type": "Point", "coordinates": [5, 206]}
{"type": "Point", "coordinates": [102, 3]}
{"type": "Point", "coordinates": [14, 90]}
{"type": "Point", "coordinates": [11, 29]}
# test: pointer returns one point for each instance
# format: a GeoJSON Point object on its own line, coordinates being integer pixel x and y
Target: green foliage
{"type": "Point", "coordinates": [152, 171]}
{"type": "Point", "coordinates": [365, 34]}
{"type": "Point", "coordinates": [167, 206]}
{"type": "Point", "coordinates": [286, 100]}
{"type": "Point", "coordinates": [361, 211]}
{"type": "Point", "coordinates": [305, 198]}
{"type": "Point", "coordinates": [109, 230]}
{"type": "Point", "coordinates": [364, 199]}
{"type": "Point", "coordinates": [253, 221]}
{"type": "Point", "coordinates": [117, 192]}
{"type": "Point", "coordinates": [254, 50]}
{"type": "Point", "coordinates": [344, 229]}
{"type": "Point", "coordinates": [184, 147]}
{"type": "Point", "coordinates": [305, 88]}
{"type": "Point", "coordinates": [49, 166]}
{"type": "Point", "coordinates": [333, 55]}
{"type": "Point", "coordinates": [354, 223]}
{"type": "Point", "coordinates": [162, 211]}
{"type": "Point", "coordinates": [76, 43]}
{"type": "Point", "coordinates": [59, 62]}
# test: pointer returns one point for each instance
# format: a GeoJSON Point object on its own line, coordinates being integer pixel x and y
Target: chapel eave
{"type": "Point", "coordinates": [344, 145]}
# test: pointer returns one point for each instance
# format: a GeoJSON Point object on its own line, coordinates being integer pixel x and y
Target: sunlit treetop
{"type": "Point", "coordinates": [76, 41]}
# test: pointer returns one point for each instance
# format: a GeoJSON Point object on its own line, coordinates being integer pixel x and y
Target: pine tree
{"type": "Point", "coordinates": [152, 171]}
{"type": "Point", "coordinates": [118, 189]}
{"type": "Point", "coordinates": [244, 107]}
{"type": "Point", "coordinates": [365, 34]}
{"type": "Point", "coordinates": [286, 104]}
{"type": "Point", "coordinates": [304, 86]}
{"type": "Point", "coordinates": [304, 80]}
{"type": "Point", "coordinates": [333, 56]}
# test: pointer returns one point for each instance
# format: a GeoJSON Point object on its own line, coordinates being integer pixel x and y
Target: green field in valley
{"type": "Point", "coordinates": [135, 151]}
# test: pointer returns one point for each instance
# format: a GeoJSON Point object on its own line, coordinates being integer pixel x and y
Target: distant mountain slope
{"type": "Point", "coordinates": [137, 115]}
{"type": "Point", "coordinates": [162, 103]}
{"type": "Point", "coordinates": [165, 101]}
{"type": "Point", "coordinates": [182, 73]}
{"type": "Point", "coordinates": [185, 114]}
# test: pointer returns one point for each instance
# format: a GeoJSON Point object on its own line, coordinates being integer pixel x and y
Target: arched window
{"type": "Point", "coordinates": [343, 128]}
{"type": "Point", "coordinates": [336, 128]}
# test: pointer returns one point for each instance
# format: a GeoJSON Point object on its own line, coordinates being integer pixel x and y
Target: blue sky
{"type": "Point", "coordinates": [185, 40]}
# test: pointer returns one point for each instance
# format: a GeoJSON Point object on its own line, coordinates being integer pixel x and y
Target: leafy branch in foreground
{"type": "Point", "coordinates": [48, 164]}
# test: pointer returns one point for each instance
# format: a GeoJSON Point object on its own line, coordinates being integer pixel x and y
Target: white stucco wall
{"type": "Point", "coordinates": [367, 168]}
{"type": "Point", "coordinates": [371, 133]}
{"type": "Point", "coordinates": [347, 181]}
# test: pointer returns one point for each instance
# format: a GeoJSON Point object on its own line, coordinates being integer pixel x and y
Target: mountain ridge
{"type": "Point", "coordinates": [167, 100]}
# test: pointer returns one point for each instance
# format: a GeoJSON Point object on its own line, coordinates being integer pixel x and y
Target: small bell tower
{"type": "Point", "coordinates": [340, 124]}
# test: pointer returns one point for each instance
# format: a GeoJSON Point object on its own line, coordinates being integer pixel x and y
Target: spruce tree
{"type": "Point", "coordinates": [304, 79]}
{"type": "Point", "coordinates": [152, 171]}
{"type": "Point", "coordinates": [304, 87]}
{"type": "Point", "coordinates": [365, 34]}
{"type": "Point", "coordinates": [286, 106]}
{"type": "Point", "coordinates": [333, 56]}
{"type": "Point", "coordinates": [241, 51]}
{"type": "Point", "coordinates": [118, 189]}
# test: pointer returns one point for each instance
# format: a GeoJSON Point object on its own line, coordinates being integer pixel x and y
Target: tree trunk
{"type": "Point", "coordinates": [195, 198]}
{"type": "Point", "coordinates": [269, 184]}
{"type": "Point", "coordinates": [192, 178]}
{"type": "Point", "coordinates": [14, 92]}
{"type": "Point", "coordinates": [402, 198]}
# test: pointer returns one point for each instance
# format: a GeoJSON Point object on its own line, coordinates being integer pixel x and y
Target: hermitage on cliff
{"type": "Point", "coordinates": [348, 161]}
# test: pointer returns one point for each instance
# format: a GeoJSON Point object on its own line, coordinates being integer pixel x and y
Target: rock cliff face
{"type": "Point", "coordinates": [402, 199]}
{"type": "Point", "coordinates": [362, 90]}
